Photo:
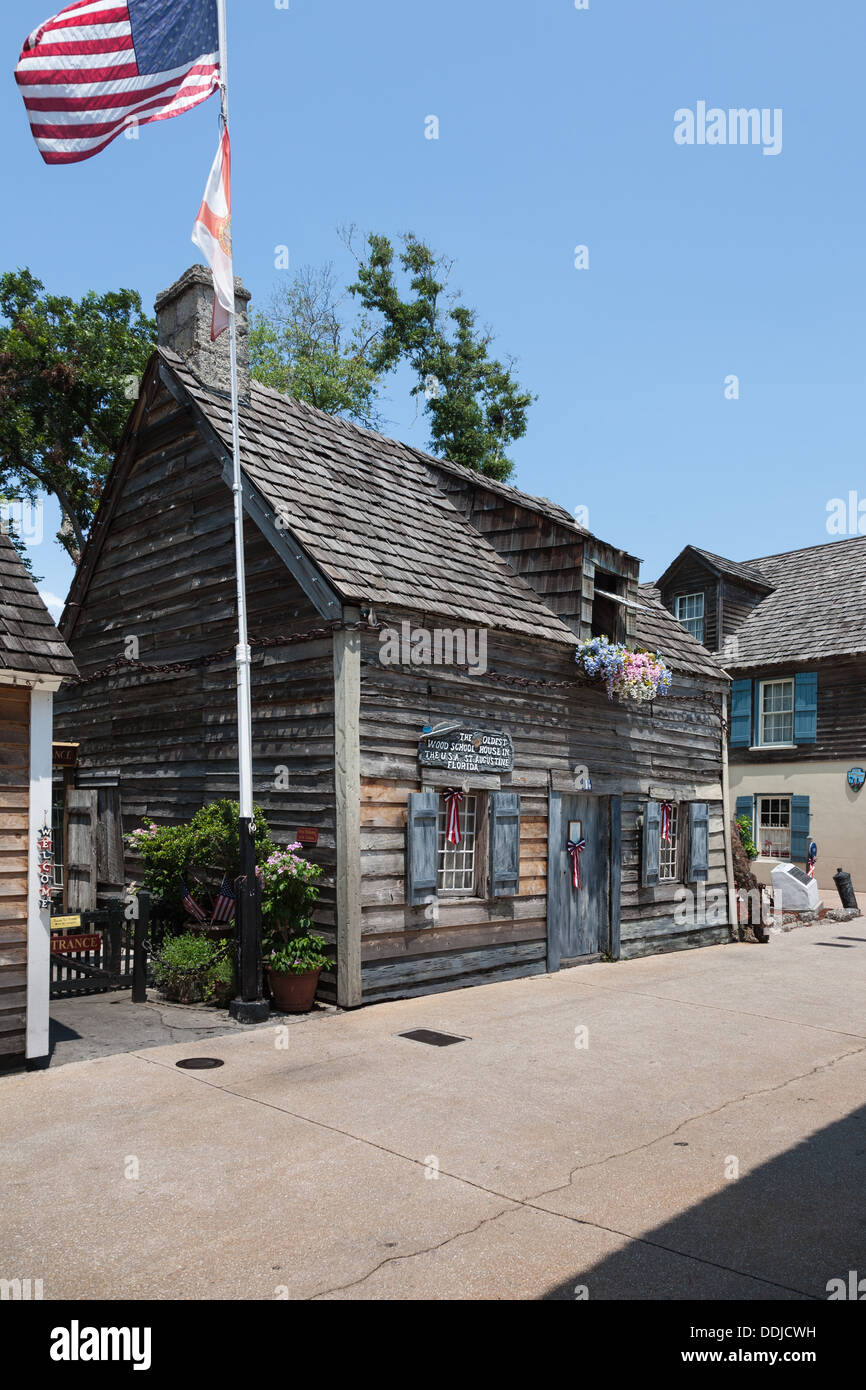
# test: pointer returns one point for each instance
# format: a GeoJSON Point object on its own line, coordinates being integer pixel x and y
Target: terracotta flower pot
{"type": "Point", "coordinates": [294, 994]}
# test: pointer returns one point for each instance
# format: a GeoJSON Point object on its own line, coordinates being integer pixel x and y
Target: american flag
{"type": "Point", "coordinates": [98, 67]}
{"type": "Point", "coordinates": [224, 907]}
{"type": "Point", "coordinates": [191, 905]}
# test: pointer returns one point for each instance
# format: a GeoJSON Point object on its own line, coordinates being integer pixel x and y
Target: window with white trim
{"type": "Point", "coordinates": [457, 863]}
{"type": "Point", "coordinates": [690, 611]}
{"type": "Point", "coordinates": [777, 712]}
{"type": "Point", "coordinates": [774, 827]}
{"type": "Point", "coordinates": [668, 847]}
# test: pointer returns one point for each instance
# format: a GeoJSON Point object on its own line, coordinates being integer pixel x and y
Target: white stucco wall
{"type": "Point", "coordinates": [838, 815]}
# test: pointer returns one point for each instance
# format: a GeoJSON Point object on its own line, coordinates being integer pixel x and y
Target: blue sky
{"type": "Point", "coordinates": [556, 130]}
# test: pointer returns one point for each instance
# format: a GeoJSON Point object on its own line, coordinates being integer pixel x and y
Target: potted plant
{"type": "Point", "coordinates": [189, 970]}
{"type": "Point", "coordinates": [294, 958]}
{"type": "Point", "coordinates": [293, 972]}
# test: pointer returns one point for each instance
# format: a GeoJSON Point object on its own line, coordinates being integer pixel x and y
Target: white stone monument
{"type": "Point", "coordinates": [793, 890]}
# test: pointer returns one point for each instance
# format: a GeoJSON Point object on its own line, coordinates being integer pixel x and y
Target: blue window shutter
{"type": "Point", "coordinates": [652, 836]}
{"type": "Point", "coordinates": [799, 828]}
{"type": "Point", "coordinates": [806, 707]}
{"type": "Point", "coordinates": [756, 738]}
{"type": "Point", "coordinates": [699, 842]}
{"type": "Point", "coordinates": [741, 714]}
{"type": "Point", "coordinates": [746, 807]}
{"type": "Point", "coordinates": [422, 848]}
{"type": "Point", "coordinates": [504, 844]}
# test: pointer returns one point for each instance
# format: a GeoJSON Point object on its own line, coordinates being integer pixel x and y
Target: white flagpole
{"type": "Point", "coordinates": [249, 1006]}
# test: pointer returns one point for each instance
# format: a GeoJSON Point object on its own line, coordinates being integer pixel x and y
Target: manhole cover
{"type": "Point", "coordinates": [431, 1037]}
{"type": "Point", "coordinates": [199, 1063]}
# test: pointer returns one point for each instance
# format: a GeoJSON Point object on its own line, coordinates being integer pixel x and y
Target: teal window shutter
{"type": "Point", "coordinates": [800, 828]}
{"type": "Point", "coordinates": [746, 807]}
{"type": "Point", "coordinates": [422, 848]}
{"type": "Point", "coordinates": [652, 839]}
{"type": "Point", "coordinates": [806, 707]}
{"type": "Point", "coordinates": [504, 844]}
{"type": "Point", "coordinates": [741, 714]}
{"type": "Point", "coordinates": [699, 842]}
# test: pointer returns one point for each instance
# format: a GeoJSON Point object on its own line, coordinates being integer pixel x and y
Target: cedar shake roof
{"type": "Point", "coordinates": [29, 641]}
{"type": "Point", "coordinates": [817, 608]}
{"type": "Point", "coordinates": [744, 573]}
{"type": "Point", "coordinates": [369, 513]}
{"type": "Point", "coordinates": [659, 631]}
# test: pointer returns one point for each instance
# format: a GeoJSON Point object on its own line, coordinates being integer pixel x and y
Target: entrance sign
{"type": "Point", "coordinates": [467, 750]}
{"type": "Point", "coordinates": [67, 945]}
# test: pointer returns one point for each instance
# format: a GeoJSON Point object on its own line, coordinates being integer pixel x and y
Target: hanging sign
{"type": "Point", "coordinates": [466, 750]}
{"type": "Point", "coordinates": [45, 865]}
{"type": "Point", "coordinates": [65, 754]}
{"type": "Point", "coordinates": [856, 778]}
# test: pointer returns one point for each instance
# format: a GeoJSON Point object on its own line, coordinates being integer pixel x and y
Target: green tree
{"type": "Point", "coordinates": [304, 347]}
{"type": "Point", "coordinates": [67, 372]}
{"type": "Point", "coordinates": [477, 408]}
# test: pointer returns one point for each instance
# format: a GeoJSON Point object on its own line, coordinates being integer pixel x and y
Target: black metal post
{"type": "Point", "coordinates": [250, 1005]}
{"type": "Point", "coordinates": [141, 925]}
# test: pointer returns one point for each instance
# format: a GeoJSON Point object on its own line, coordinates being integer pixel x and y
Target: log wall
{"type": "Point", "coordinates": [165, 578]}
{"type": "Point", "coordinates": [675, 751]}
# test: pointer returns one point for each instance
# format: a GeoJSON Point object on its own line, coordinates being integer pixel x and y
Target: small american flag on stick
{"type": "Point", "coordinates": [224, 907]}
{"type": "Point", "coordinates": [191, 905]}
{"type": "Point", "coordinates": [98, 67]}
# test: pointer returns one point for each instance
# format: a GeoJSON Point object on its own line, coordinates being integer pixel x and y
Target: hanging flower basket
{"type": "Point", "coordinates": [638, 676]}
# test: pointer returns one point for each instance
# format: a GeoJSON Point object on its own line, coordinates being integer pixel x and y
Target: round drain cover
{"type": "Point", "coordinates": [199, 1063]}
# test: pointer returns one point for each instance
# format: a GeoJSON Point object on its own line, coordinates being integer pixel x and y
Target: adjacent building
{"type": "Point", "coordinates": [414, 628]}
{"type": "Point", "coordinates": [34, 662]}
{"type": "Point", "coordinates": [791, 631]}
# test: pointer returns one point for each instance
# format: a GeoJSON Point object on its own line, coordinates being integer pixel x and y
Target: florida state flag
{"type": "Point", "coordinates": [212, 234]}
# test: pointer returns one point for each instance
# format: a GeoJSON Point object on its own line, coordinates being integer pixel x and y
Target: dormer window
{"type": "Point", "coordinates": [608, 606]}
{"type": "Point", "coordinates": [690, 611]}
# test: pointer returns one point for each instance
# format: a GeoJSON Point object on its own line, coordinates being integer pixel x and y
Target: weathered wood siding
{"type": "Point", "coordinates": [558, 562]}
{"type": "Point", "coordinates": [693, 577]}
{"type": "Point", "coordinates": [674, 751]}
{"type": "Point", "coordinates": [14, 860]}
{"type": "Point", "coordinates": [165, 577]}
{"type": "Point", "coordinates": [841, 725]}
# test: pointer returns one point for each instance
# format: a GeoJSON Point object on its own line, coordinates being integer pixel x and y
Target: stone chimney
{"type": "Point", "coordinates": [184, 314]}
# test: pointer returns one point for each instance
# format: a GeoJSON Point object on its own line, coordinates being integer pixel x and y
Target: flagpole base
{"type": "Point", "coordinates": [250, 1011]}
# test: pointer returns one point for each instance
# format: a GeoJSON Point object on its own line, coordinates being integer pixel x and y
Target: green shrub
{"type": "Point", "coordinates": [191, 969]}
{"type": "Point", "coordinates": [299, 956]}
{"type": "Point", "coordinates": [744, 825]}
{"type": "Point", "coordinates": [198, 852]}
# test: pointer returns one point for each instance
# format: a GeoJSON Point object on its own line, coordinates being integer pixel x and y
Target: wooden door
{"type": "Point", "coordinates": [582, 923]}
{"type": "Point", "coordinates": [81, 861]}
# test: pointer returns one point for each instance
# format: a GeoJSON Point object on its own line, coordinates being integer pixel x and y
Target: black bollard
{"type": "Point", "coordinates": [845, 887]}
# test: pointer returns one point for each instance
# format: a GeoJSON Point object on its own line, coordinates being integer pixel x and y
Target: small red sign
{"type": "Point", "coordinates": [68, 945]}
{"type": "Point", "coordinates": [307, 835]}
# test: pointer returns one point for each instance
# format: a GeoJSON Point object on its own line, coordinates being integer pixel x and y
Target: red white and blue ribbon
{"type": "Point", "coordinates": [453, 799]}
{"type": "Point", "coordinates": [667, 821]}
{"type": "Point", "coordinates": [575, 850]}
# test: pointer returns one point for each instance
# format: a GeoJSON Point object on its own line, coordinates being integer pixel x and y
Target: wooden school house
{"type": "Point", "coordinates": [414, 628]}
{"type": "Point", "coordinates": [34, 661]}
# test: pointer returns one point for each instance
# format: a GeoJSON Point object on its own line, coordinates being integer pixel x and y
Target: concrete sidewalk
{"type": "Point", "coordinates": [707, 1143]}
